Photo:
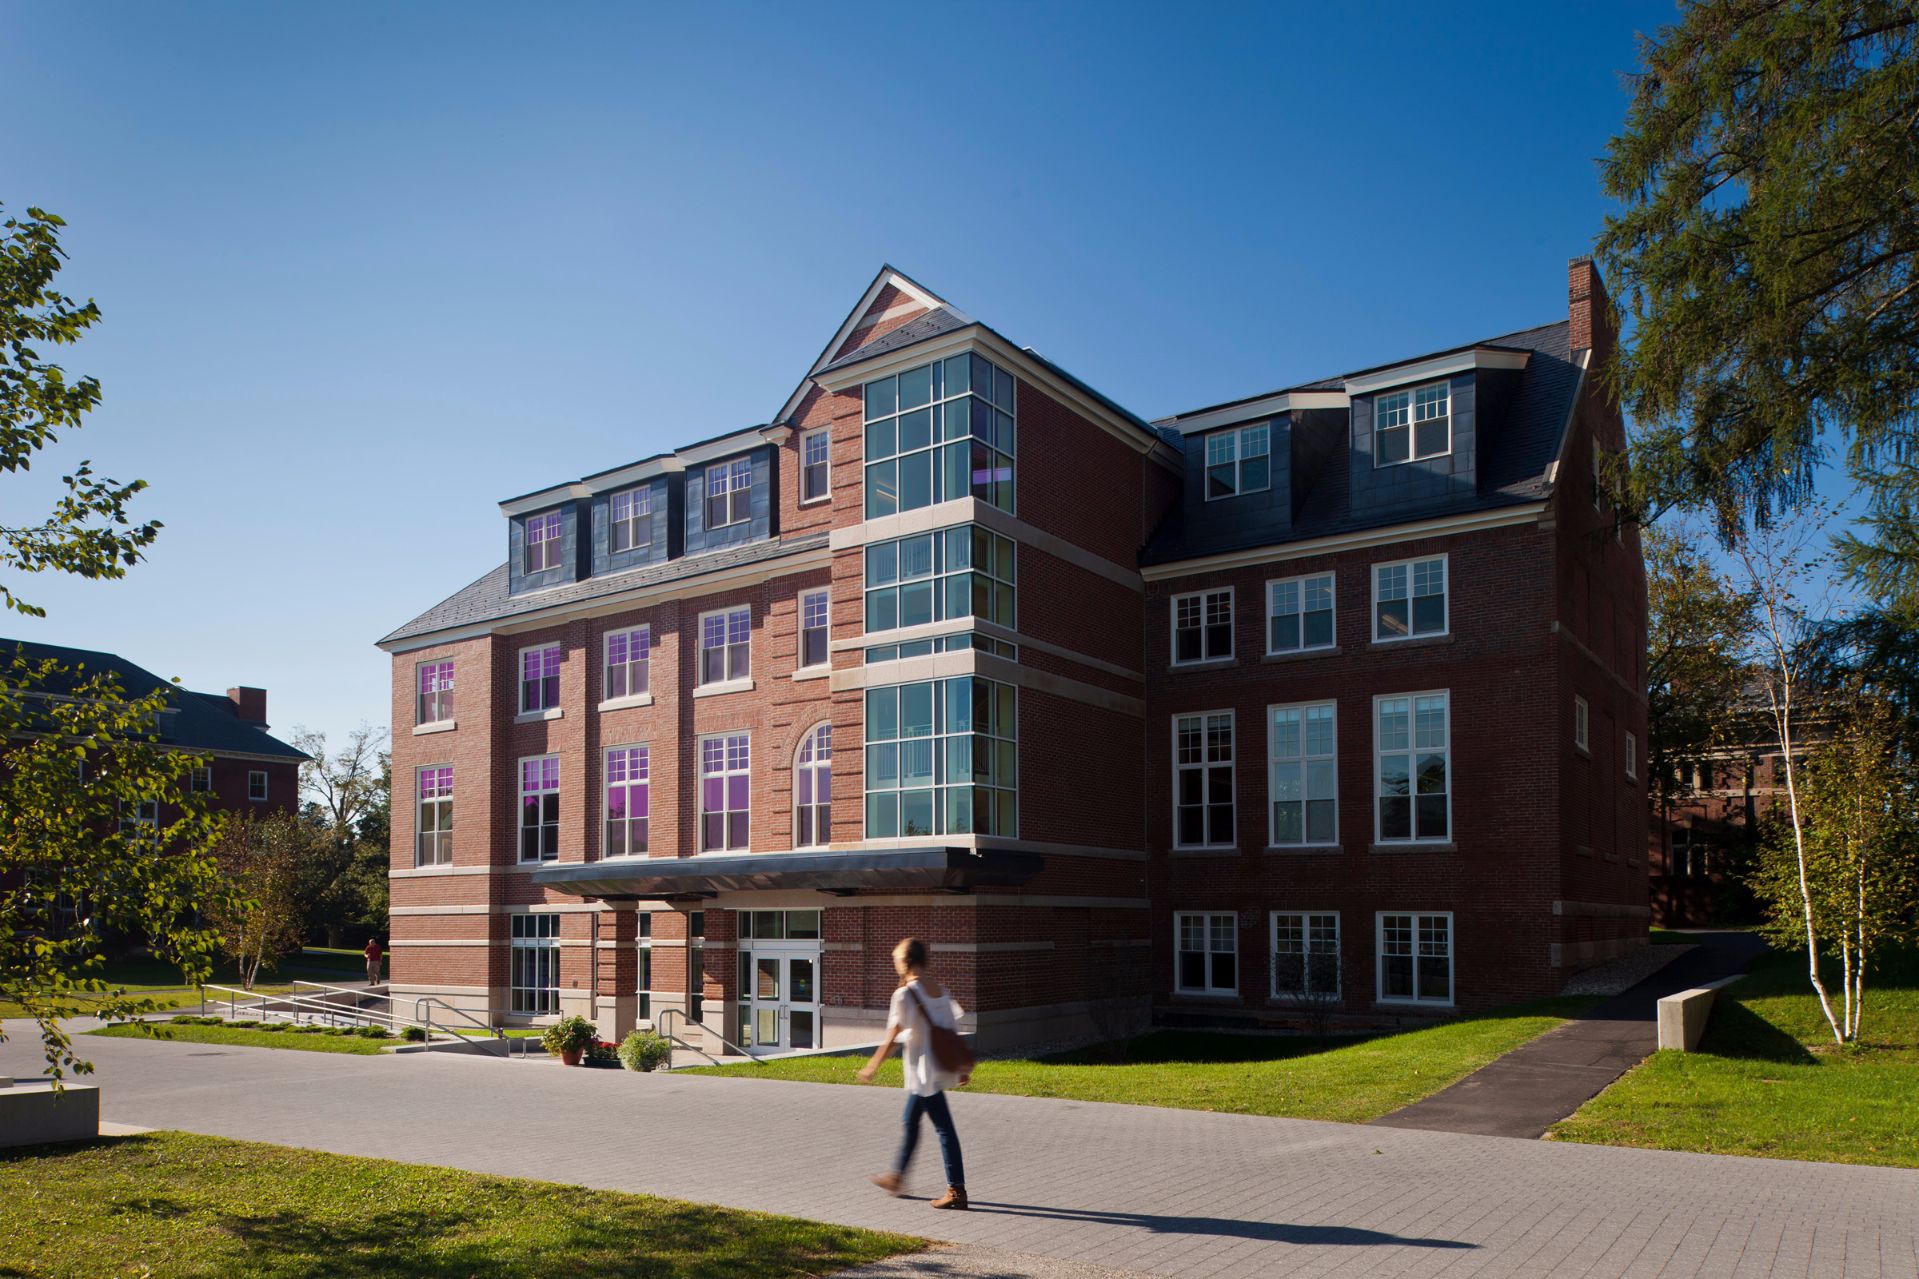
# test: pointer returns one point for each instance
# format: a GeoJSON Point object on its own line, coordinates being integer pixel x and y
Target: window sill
{"type": "Point", "coordinates": [813, 672]}
{"type": "Point", "coordinates": [1582, 750]}
{"type": "Point", "coordinates": [627, 702]}
{"type": "Point", "coordinates": [1207, 664]}
{"type": "Point", "coordinates": [1304, 850]}
{"type": "Point", "coordinates": [1209, 850]}
{"type": "Point", "coordinates": [1216, 996]}
{"type": "Point", "coordinates": [535, 717]}
{"type": "Point", "coordinates": [724, 687]}
{"type": "Point", "coordinates": [1417, 846]}
{"type": "Point", "coordinates": [1413, 641]}
{"type": "Point", "coordinates": [816, 501]}
{"type": "Point", "coordinates": [438, 726]}
{"type": "Point", "coordinates": [1302, 654]}
{"type": "Point", "coordinates": [1441, 1006]}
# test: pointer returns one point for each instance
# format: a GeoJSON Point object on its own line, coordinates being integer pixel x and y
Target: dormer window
{"type": "Point", "coordinates": [1410, 426]}
{"type": "Point", "coordinates": [729, 492]}
{"type": "Point", "coordinates": [543, 541]}
{"type": "Point", "coordinates": [1238, 462]}
{"type": "Point", "coordinates": [631, 519]}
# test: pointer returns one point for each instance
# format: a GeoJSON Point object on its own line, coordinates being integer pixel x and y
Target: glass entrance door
{"type": "Point", "coordinates": [779, 1007]}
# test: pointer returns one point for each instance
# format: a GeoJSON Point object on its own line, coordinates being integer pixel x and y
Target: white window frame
{"type": "Point", "coordinates": [1236, 436]}
{"type": "Point", "coordinates": [257, 786]}
{"type": "Point", "coordinates": [1598, 506]}
{"type": "Point", "coordinates": [439, 695]}
{"type": "Point", "coordinates": [519, 676]}
{"type": "Point", "coordinates": [644, 634]}
{"type": "Point", "coordinates": [736, 494]}
{"type": "Point", "coordinates": [1411, 396]}
{"type": "Point", "coordinates": [1301, 581]}
{"type": "Point", "coordinates": [519, 809]}
{"type": "Point", "coordinates": [1204, 768]}
{"type": "Point", "coordinates": [1305, 760]}
{"type": "Point", "coordinates": [1412, 751]}
{"type": "Point", "coordinates": [541, 937]}
{"type": "Point", "coordinates": [551, 548]}
{"type": "Point", "coordinates": [1207, 918]}
{"type": "Point", "coordinates": [442, 832]}
{"type": "Point", "coordinates": [822, 830]}
{"type": "Point", "coordinates": [1632, 756]}
{"type": "Point", "coordinates": [1445, 598]}
{"type": "Point", "coordinates": [726, 675]}
{"type": "Point", "coordinates": [644, 785]}
{"type": "Point", "coordinates": [1582, 725]}
{"type": "Point", "coordinates": [1379, 959]}
{"type": "Point", "coordinates": [199, 781]}
{"type": "Point", "coordinates": [639, 522]}
{"type": "Point", "coordinates": [825, 465]}
{"type": "Point", "coordinates": [1172, 619]}
{"type": "Point", "coordinates": [1306, 919]}
{"type": "Point", "coordinates": [826, 646]}
{"type": "Point", "coordinates": [726, 771]}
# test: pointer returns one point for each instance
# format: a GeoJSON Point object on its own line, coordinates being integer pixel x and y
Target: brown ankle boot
{"type": "Point", "coordinates": [954, 1198]}
{"type": "Point", "coordinates": [889, 1182]}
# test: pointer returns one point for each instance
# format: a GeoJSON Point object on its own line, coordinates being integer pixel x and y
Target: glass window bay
{"type": "Point", "coordinates": [932, 577]}
{"type": "Point", "coordinates": [942, 759]}
{"type": "Point", "coordinates": [937, 433]}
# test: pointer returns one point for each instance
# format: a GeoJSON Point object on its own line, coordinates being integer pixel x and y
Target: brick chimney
{"type": "Point", "coordinates": [249, 704]}
{"type": "Point", "coordinates": [1590, 311]}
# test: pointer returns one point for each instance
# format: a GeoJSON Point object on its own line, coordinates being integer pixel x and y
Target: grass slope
{"type": "Point", "coordinates": [1353, 1080]}
{"type": "Point", "coordinates": [152, 979]}
{"type": "Point", "coordinates": [248, 1037]}
{"type": "Point", "coordinates": [184, 1205]}
{"type": "Point", "coordinates": [1768, 1080]}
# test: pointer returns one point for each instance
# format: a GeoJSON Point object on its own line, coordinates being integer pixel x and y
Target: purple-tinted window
{"type": "Point", "coordinates": [813, 628]}
{"type": "Point", "coordinates": [540, 678]}
{"type": "Point", "coordinates": [540, 809]}
{"type": "Point", "coordinates": [813, 789]}
{"type": "Point", "coordinates": [626, 777]}
{"type": "Point", "coordinates": [723, 792]}
{"type": "Point", "coordinates": [543, 541]}
{"type": "Point", "coordinates": [436, 692]}
{"type": "Point", "coordinates": [729, 492]}
{"type": "Point", "coordinates": [631, 520]}
{"type": "Point", "coordinates": [628, 655]}
{"type": "Point", "coordinates": [435, 846]}
{"type": "Point", "coordinates": [724, 639]}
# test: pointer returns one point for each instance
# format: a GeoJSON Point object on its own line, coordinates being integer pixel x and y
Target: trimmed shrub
{"type": "Point", "coordinates": [414, 1034]}
{"type": "Point", "coordinates": [644, 1050]}
{"type": "Point", "coordinates": [374, 1032]}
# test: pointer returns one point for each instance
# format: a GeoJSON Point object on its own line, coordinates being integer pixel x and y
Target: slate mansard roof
{"type": "Point", "coordinates": [206, 722]}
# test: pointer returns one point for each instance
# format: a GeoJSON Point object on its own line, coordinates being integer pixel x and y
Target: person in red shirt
{"type": "Point", "coordinates": [374, 954]}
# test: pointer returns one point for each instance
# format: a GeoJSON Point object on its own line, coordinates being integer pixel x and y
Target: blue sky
{"type": "Point", "coordinates": [366, 270]}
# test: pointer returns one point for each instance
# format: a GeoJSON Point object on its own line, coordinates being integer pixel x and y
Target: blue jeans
{"type": "Point", "coordinates": [935, 1109]}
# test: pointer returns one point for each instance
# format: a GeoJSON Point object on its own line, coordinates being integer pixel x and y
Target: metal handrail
{"type": "Point", "coordinates": [423, 1014]}
{"type": "Point", "coordinates": [357, 992]}
{"type": "Point", "coordinates": [660, 1024]}
{"type": "Point", "coordinates": [312, 1004]}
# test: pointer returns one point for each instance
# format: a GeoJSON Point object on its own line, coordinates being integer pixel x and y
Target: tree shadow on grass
{"type": "Point", "coordinates": [1227, 1227]}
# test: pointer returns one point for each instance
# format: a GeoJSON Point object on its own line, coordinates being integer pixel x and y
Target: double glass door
{"type": "Point", "coordinates": [779, 998]}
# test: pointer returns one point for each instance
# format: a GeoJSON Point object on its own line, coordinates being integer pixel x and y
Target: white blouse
{"type": "Point", "coordinates": [924, 1077]}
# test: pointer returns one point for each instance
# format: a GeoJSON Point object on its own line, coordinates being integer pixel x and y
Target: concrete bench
{"type": "Point", "coordinates": [1683, 1016]}
{"type": "Point", "coordinates": [33, 1114]}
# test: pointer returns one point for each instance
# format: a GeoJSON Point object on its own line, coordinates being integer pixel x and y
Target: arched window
{"type": "Point", "coordinates": [813, 789]}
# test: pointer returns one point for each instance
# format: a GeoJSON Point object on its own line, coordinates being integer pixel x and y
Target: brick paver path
{"type": "Point", "coordinates": [1126, 1187]}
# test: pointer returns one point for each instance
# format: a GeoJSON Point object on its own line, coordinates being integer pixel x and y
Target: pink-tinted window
{"type": "Point", "coordinates": [813, 789]}
{"type": "Point", "coordinates": [540, 678]}
{"type": "Point", "coordinates": [630, 523]}
{"type": "Point", "coordinates": [626, 785]}
{"type": "Point", "coordinates": [543, 541]}
{"type": "Point", "coordinates": [723, 792]}
{"type": "Point", "coordinates": [540, 809]}
{"type": "Point", "coordinates": [435, 845]}
{"type": "Point", "coordinates": [628, 656]}
{"type": "Point", "coordinates": [729, 492]}
{"type": "Point", "coordinates": [436, 692]}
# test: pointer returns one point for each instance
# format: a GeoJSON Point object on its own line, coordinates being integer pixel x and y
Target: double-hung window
{"type": "Point", "coordinates": [1413, 736]}
{"type": "Point", "coordinates": [1409, 599]}
{"type": "Point", "coordinates": [724, 640]}
{"type": "Point", "coordinates": [540, 808]}
{"type": "Point", "coordinates": [1299, 614]}
{"type": "Point", "coordinates": [814, 629]}
{"type": "Point", "coordinates": [1304, 788]}
{"type": "Point", "coordinates": [1632, 757]}
{"type": "Point", "coordinates": [536, 964]}
{"type": "Point", "coordinates": [539, 678]}
{"type": "Point", "coordinates": [1416, 958]}
{"type": "Point", "coordinates": [1203, 780]}
{"type": "Point", "coordinates": [1306, 955]}
{"type": "Point", "coordinates": [938, 433]}
{"type": "Point", "coordinates": [435, 704]}
{"type": "Point", "coordinates": [543, 541]}
{"type": "Point", "coordinates": [435, 844]}
{"type": "Point", "coordinates": [629, 658]}
{"type": "Point", "coordinates": [725, 761]}
{"type": "Point", "coordinates": [1207, 960]}
{"type": "Point", "coordinates": [813, 790]}
{"type": "Point", "coordinates": [200, 780]}
{"type": "Point", "coordinates": [1582, 724]}
{"type": "Point", "coordinates": [257, 786]}
{"type": "Point", "coordinates": [729, 492]}
{"type": "Point", "coordinates": [630, 520]}
{"type": "Point", "coordinates": [815, 449]}
{"type": "Point", "coordinates": [1238, 462]}
{"type": "Point", "coordinates": [1203, 626]}
{"type": "Point", "coordinates": [1409, 426]}
{"type": "Point", "coordinates": [626, 806]}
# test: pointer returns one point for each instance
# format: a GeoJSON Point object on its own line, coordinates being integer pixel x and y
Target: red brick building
{"type": "Point", "coordinates": [1327, 694]}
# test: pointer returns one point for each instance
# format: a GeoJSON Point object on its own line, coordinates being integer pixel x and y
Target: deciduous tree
{"type": "Point", "coordinates": [262, 862]}
{"type": "Point", "coordinates": [1699, 634]}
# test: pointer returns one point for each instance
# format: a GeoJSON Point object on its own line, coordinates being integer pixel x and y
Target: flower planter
{"type": "Point", "coordinates": [571, 1056]}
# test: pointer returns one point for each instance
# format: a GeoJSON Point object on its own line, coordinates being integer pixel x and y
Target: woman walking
{"type": "Point", "coordinates": [919, 1005]}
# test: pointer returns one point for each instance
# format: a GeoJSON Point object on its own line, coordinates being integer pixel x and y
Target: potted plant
{"type": "Point", "coordinates": [644, 1050]}
{"type": "Point", "coordinates": [568, 1038]}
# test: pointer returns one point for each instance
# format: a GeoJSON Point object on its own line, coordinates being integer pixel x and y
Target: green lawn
{"type": "Point", "coordinates": [1769, 1081]}
{"type": "Point", "coordinates": [151, 979]}
{"type": "Point", "coordinates": [1671, 937]}
{"type": "Point", "coordinates": [1352, 1080]}
{"type": "Point", "coordinates": [183, 1205]}
{"type": "Point", "coordinates": [251, 1037]}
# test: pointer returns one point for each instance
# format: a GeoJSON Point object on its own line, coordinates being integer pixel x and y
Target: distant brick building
{"type": "Point", "coordinates": [1327, 695]}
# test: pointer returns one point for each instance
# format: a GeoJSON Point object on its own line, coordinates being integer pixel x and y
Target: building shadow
{"type": "Point", "coordinates": [1225, 1227]}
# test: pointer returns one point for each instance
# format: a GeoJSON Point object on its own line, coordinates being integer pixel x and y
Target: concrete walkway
{"type": "Point", "coordinates": [1538, 1084]}
{"type": "Point", "coordinates": [1059, 1187]}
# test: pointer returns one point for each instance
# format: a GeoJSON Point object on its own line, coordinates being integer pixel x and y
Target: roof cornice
{"type": "Point", "coordinates": [1440, 526]}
